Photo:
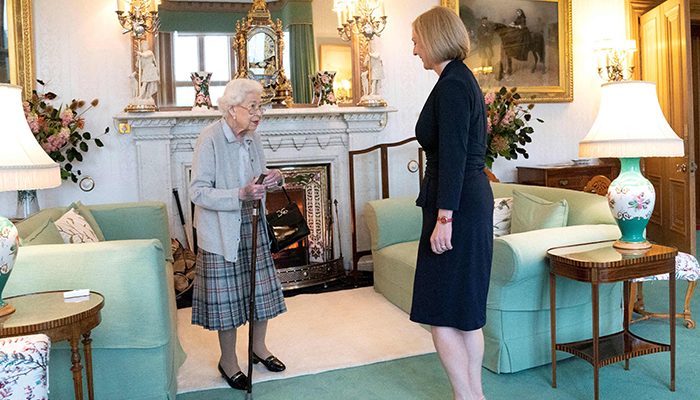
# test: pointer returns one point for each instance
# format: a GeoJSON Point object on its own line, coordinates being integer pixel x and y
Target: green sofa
{"type": "Point", "coordinates": [135, 350]}
{"type": "Point", "coordinates": [517, 331]}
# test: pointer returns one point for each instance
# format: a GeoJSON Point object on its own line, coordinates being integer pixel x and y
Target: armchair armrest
{"type": "Point", "coordinates": [392, 221]}
{"type": "Point", "coordinates": [131, 274]}
{"type": "Point", "coordinates": [520, 271]}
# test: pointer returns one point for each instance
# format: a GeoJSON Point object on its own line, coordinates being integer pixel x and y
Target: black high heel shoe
{"type": "Point", "coordinates": [272, 363]}
{"type": "Point", "coordinates": [237, 381]}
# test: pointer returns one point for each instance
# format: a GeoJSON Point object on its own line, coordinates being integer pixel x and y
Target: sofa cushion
{"type": "Point", "coordinates": [29, 225]}
{"type": "Point", "coordinates": [46, 234]}
{"type": "Point", "coordinates": [84, 212]}
{"type": "Point", "coordinates": [75, 229]}
{"type": "Point", "coordinates": [502, 210]}
{"type": "Point", "coordinates": [532, 213]}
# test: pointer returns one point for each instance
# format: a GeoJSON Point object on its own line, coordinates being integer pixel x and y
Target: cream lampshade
{"type": "Point", "coordinates": [24, 165]}
{"type": "Point", "coordinates": [630, 125]}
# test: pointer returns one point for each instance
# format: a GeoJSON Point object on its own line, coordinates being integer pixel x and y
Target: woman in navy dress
{"type": "Point", "coordinates": [456, 244]}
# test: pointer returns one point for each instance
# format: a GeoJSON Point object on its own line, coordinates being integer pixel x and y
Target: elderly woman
{"type": "Point", "coordinates": [228, 158]}
{"type": "Point", "coordinates": [456, 243]}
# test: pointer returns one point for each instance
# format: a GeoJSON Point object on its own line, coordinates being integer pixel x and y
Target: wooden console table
{"type": "Point", "coordinates": [565, 176]}
{"type": "Point", "coordinates": [50, 314]}
{"type": "Point", "coordinates": [597, 263]}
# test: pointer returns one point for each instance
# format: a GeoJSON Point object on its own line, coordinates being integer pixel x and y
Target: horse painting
{"type": "Point", "coordinates": [519, 43]}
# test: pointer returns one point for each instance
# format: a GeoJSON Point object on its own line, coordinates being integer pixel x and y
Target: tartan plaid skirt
{"type": "Point", "coordinates": [221, 293]}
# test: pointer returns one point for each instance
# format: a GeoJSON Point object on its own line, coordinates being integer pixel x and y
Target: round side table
{"type": "Point", "coordinates": [49, 313]}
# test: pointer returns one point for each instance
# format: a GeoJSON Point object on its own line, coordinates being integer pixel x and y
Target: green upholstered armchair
{"type": "Point", "coordinates": [517, 331]}
{"type": "Point", "coordinates": [135, 350]}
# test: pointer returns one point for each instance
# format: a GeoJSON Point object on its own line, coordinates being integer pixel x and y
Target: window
{"type": "Point", "coordinates": [211, 52]}
{"type": "Point", "coordinates": [201, 52]}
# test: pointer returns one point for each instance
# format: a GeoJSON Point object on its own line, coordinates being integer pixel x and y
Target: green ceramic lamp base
{"type": "Point", "coordinates": [631, 198]}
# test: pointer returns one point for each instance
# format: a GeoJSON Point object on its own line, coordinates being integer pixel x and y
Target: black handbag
{"type": "Point", "coordinates": [286, 226]}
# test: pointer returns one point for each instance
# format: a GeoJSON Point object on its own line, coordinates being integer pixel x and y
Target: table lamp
{"type": "Point", "coordinates": [24, 165]}
{"type": "Point", "coordinates": [630, 125]}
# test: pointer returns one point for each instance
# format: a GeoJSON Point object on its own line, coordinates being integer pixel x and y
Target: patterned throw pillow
{"type": "Point", "coordinates": [75, 229]}
{"type": "Point", "coordinates": [502, 208]}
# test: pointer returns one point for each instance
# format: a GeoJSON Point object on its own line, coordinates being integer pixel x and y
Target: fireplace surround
{"type": "Point", "coordinates": [164, 144]}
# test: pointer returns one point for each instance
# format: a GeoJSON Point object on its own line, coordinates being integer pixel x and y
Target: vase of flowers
{"type": "Point", "coordinates": [59, 131]}
{"type": "Point", "coordinates": [202, 99]}
{"type": "Point", "coordinates": [507, 125]}
{"type": "Point", "coordinates": [322, 82]}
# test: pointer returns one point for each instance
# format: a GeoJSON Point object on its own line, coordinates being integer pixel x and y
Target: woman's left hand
{"type": "Point", "coordinates": [273, 178]}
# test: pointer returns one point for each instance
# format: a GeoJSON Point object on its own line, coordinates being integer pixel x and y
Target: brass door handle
{"type": "Point", "coordinates": [681, 167]}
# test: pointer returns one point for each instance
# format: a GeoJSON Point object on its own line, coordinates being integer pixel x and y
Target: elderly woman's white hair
{"type": "Point", "coordinates": [236, 91]}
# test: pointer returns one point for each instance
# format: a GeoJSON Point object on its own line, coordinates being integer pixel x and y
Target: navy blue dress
{"type": "Point", "coordinates": [450, 289]}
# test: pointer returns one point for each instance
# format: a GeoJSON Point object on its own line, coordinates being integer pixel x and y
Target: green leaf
{"type": "Point", "coordinates": [99, 143]}
{"type": "Point", "coordinates": [518, 123]}
{"type": "Point", "coordinates": [59, 158]}
{"type": "Point", "coordinates": [70, 155]}
{"type": "Point", "coordinates": [503, 91]}
{"type": "Point", "coordinates": [68, 167]}
{"type": "Point", "coordinates": [540, 121]}
{"type": "Point", "coordinates": [526, 156]}
{"type": "Point", "coordinates": [86, 136]}
{"type": "Point", "coordinates": [527, 117]}
{"type": "Point", "coordinates": [78, 156]}
{"type": "Point", "coordinates": [74, 178]}
{"type": "Point", "coordinates": [516, 96]}
{"type": "Point", "coordinates": [84, 147]}
{"type": "Point", "coordinates": [521, 151]}
{"type": "Point", "coordinates": [64, 174]}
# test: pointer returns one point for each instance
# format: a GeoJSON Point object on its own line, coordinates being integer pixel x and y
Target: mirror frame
{"type": "Point", "coordinates": [21, 45]}
{"type": "Point", "coordinates": [258, 17]}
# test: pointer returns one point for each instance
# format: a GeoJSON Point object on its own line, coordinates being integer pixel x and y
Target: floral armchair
{"type": "Point", "coordinates": [24, 367]}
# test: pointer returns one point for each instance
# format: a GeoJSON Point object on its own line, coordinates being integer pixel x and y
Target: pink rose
{"type": "Point", "coordinates": [325, 79]}
{"type": "Point", "coordinates": [197, 81]}
{"type": "Point", "coordinates": [331, 97]}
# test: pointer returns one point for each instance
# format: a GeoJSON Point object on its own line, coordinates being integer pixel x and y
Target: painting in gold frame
{"type": "Point", "coordinates": [20, 46]}
{"type": "Point", "coordinates": [520, 43]}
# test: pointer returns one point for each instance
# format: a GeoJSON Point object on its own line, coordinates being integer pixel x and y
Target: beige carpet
{"type": "Point", "coordinates": [319, 332]}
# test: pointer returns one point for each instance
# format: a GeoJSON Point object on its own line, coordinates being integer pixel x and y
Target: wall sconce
{"type": "Point", "coordinates": [615, 59]}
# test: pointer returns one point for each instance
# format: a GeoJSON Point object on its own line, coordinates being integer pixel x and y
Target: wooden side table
{"type": "Point", "coordinates": [564, 176]}
{"type": "Point", "coordinates": [50, 314]}
{"type": "Point", "coordinates": [598, 263]}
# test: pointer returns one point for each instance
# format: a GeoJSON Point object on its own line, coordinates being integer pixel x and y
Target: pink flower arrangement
{"type": "Point", "coordinates": [507, 126]}
{"type": "Point", "coordinates": [58, 130]}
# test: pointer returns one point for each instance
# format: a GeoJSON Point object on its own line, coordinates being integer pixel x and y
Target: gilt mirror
{"type": "Point", "coordinates": [17, 45]}
{"type": "Point", "coordinates": [200, 36]}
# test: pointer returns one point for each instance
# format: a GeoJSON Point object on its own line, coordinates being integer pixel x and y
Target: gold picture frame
{"type": "Point", "coordinates": [551, 80]}
{"type": "Point", "coordinates": [21, 45]}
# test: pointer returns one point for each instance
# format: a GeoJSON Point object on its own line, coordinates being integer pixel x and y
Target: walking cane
{"type": "Point", "coordinates": [254, 256]}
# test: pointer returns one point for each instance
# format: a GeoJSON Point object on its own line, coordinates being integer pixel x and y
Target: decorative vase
{"type": "Point", "coordinates": [201, 80]}
{"type": "Point", "coordinates": [631, 198]}
{"type": "Point", "coordinates": [9, 243]}
{"type": "Point", "coordinates": [322, 82]}
{"type": "Point", "coordinates": [27, 203]}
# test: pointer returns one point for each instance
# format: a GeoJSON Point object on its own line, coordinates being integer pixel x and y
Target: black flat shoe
{"type": "Point", "coordinates": [237, 381]}
{"type": "Point", "coordinates": [272, 363]}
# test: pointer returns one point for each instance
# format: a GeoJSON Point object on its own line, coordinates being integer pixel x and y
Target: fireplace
{"type": "Point", "coordinates": [309, 261]}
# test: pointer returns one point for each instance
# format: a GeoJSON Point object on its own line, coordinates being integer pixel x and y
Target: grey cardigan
{"type": "Point", "coordinates": [214, 188]}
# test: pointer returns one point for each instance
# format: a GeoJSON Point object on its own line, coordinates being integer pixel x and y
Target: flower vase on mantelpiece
{"type": "Point", "coordinates": [322, 82]}
{"type": "Point", "coordinates": [202, 98]}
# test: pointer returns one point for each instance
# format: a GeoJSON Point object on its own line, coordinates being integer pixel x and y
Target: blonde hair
{"type": "Point", "coordinates": [443, 34]}
{"type": "Point", "coordinates": [236, 91]}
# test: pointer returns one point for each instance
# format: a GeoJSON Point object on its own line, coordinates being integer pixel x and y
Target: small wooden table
{"type": "Point", "coordinates": [565, 176]}
{"type": "Point", "coordinates": [600, 263]}
{"type": "Point", "coordinates": [50, 314]}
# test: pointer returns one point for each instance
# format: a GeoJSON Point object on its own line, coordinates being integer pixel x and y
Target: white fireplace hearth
{"type": "Point", "coordinates": [165, 142]}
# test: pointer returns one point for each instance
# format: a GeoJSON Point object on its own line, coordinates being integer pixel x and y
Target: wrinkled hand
{"type": "Point", "coordinates": [441, 239]}
{"type": "Point", "coordinates": [251, 191]}
{"type": "Point", "coordinates": [273, 178]}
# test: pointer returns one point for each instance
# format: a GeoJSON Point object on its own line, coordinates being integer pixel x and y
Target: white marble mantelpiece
{"type": "Point", "coordinates": [164, 143]}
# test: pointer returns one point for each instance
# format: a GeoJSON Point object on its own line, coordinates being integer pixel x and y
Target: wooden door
{"type": "Point", "coordinates": [663, 34]}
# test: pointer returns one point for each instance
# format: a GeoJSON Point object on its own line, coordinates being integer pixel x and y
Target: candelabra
{"type": "Point", "coordinates": [358, 16]}
{"type": "Point", "coordinates": [366, 17]}
{"type": "Point", "coordinates": [139, 20]}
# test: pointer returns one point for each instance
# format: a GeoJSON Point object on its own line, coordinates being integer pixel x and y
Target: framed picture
{"type": "Point", "coordinates": [520, 43]}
